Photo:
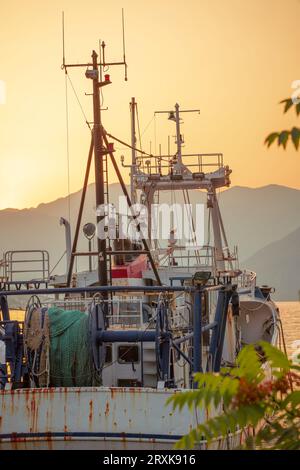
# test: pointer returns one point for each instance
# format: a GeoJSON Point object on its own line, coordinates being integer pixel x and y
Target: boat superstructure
{"type": "Point", "coordinates": [152, 314]}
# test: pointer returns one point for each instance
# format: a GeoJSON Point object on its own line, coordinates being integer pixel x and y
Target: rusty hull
{"type": "Point", "coordinates": [91, 418]}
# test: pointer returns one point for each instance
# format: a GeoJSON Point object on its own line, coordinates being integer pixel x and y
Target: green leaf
{"type": "Point", "coordinates": [249, 364]}
{"type": "Point", "coordinates": [276, 357]}
{"type": "Point", "coordinates": [295, 133]}
{"type": "Point", "coordinates": [288, 104]}
{"type": "Point", "coordinates": [293, 398]}
{"type": "Point", "coordinates": [283, 138]}
{"type": "Point", "coordinates": [270, 139]}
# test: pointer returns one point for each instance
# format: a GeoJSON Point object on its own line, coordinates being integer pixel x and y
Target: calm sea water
{"type": "Point", "coordinates": [290, 316]}
{"type": "Point", "coordinates": [289, 312]}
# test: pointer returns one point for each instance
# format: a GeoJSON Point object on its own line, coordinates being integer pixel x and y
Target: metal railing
{"type": "Point", "coordinates": [130, 312]}
{"type": "Point", "coordinates": [25, 263]}
{"type": "Point", "coordinates": [247, 280]}
{"type": "Point", "coordinates": [195, 162]}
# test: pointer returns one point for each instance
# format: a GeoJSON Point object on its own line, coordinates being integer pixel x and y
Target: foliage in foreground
{"type": "Point", "coordinates": [261, 392]}
{"type": "Point", "coordinates": [282, 137]}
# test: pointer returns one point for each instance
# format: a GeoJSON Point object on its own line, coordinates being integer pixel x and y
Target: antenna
{"type": "Point", "coordinates": [175, 116]}
{"type": "Point", "coordinates": [102, 64]}
{"type": "Point", "coordinates": [63, 40]}
{"type": "Point", "coordinates": [124, 54]}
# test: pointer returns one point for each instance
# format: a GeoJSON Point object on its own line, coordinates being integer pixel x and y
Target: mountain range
{"type": "Point", "coordinates": [263, 222]}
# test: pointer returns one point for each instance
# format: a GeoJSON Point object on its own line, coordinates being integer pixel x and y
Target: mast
{"type": "Point", "coordinates": [178, 135]}
{"type": "Point", "coordinates": [99, 179]}
{"type": "Point", "coordinates": [133, 151]}
{"type": "Point", "coordinates": [101, 149]}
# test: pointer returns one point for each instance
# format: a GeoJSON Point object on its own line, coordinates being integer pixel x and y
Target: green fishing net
{"type": "Point", "coordinates": [71, 363]}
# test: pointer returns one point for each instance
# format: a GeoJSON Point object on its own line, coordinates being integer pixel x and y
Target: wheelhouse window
{"type": "Point", "coordinates": [128, 354]}
{"type": "Point", "coordinates": [108, 354]}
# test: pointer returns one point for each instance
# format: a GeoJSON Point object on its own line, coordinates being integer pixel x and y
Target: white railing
{"type": "Point", "coordinates": [247, 280]}
{"type": "Point", "coordinates": [122, 312]}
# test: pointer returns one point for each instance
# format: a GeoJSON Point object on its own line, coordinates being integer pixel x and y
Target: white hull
{"type": "Point", "coordinates": [94, 418]}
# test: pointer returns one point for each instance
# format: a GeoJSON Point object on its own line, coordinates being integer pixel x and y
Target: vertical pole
{"type": "Point", "coordinates": [99, 176]}
{"type": "Point", "coordinates": [220, 263]}
{"type": "Point", "coordinates": [217, 340]}
{"type": "Point", "coordinates": [219, 351]}
{"type": "Point", "coordinates": [133, 151]}
{"type": "Point", "coordinates": [178, 135]}
{"type": "Point", "coordinates": [90, 258]}
{"type": "Point", "coordinates": [197, 356]}
{"type": "Point", "coordinates": [67, 226]}
{"type": "Point", "coordinates": [4, 308]}
{"type": "Point", "coordinates": [216, 330]}
{"type": "Point", "coordinates": [83, 194]}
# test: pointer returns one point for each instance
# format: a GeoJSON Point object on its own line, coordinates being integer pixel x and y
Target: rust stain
{"type": "Point", "coordinates": [107, 409]}
{"type": "Point", "coordinates": [48, 438]}
{"type": "Point", "coordinates": [14, 441]}
{"type": "Point", "coordinates": [91, 411]}
{"type": "Point", "coordinates": [33, 413]}
{"type": "Point", "coordinates": [66, 438]}
{"type": "Point", "coordinates": [12, 401]}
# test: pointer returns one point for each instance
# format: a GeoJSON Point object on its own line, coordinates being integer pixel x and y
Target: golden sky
{"type": "Point", "coordinates": [233, 59]}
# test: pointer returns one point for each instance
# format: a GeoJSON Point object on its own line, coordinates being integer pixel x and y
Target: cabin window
{"type": "Point", "coordinates": [129, 383]}
{"type": "Point", "coordinates": [108, 354]}
{"type": "Point", "coordinates": [128, 354]}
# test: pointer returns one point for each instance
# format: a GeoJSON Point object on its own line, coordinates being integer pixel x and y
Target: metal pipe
{"type": "Point", "coordinates": [95, 289]}
{"type": "Point", "coordinates": [67, 226]}
{"type": "Point", "coordinates": [197, 321]}
{"type": "Point", "coordinates": [244, 291]}
{"type": "Point", "coordinates": [189, 336]}
{"type": "Point", "coordinates": [90, 257]}
{"type": "Point", "coordinates": [112, 252]}
{"type": "Point", "coordinates": [128, 336]}
{"type": "Point", "coordinates": [181, 353]}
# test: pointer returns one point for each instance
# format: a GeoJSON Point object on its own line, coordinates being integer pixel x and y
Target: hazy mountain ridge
{"type": "Point", "coordinates": [278, 265]}
{"type": "Point", "coordinates": [254, 219]}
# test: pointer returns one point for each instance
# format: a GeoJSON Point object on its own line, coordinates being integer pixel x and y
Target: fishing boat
{"type": "Point", "coordinates": [100, 351]}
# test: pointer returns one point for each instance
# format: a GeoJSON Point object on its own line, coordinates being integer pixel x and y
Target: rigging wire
{"type": "Point", "coordinates": [58, 262]}
{"type": "Point", "coordinates": [138, 123]}
{"type": "Point", "coordinates": [78, 101]}
{"type": "Point", "coordinates": [68, 147]}
{"type": "Point", "coordinates": [147, 125]}
{"type": "Point", "coordinates": [128, 145]}
{"type": "Point", "coordinates": [155, 136]}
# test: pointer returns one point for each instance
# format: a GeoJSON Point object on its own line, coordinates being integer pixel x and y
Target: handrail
{"type": "Point", "coordinates": [9, 262]}
{"type": "Point", "coordinates": [99, 289]}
